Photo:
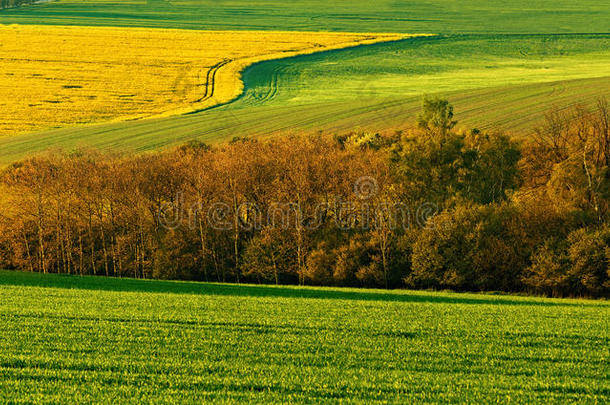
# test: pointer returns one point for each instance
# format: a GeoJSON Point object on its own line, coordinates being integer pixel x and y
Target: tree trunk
{"type": "Point", "coordinates": [275, 270]}
{"type": "Point", "coordinates": [91, 241]}
{"type": "Point", "coordinates": [43, 267]}
{"type": "Point", "coordinates": [81, 258]}
{"type": "Point", "coordinates": [592, 192]}
{"type": "Point", "coordinates": [235, 230]}
{"type": "Point", "coordinates": [27, 249]}
{"type": "Point", "coordinates": [203, 248]}
{"type": "Point", "coordinates": [103, 236]}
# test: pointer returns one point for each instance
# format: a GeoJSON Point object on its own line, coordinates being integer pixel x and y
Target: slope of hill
{"type": "Point", "coordinates": [491, 60]}
{"type": "Point", "coordinates": [65, 76]}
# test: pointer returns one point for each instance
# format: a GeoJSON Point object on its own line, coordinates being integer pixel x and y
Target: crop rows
{"type": "Point", "coordinates": [102, 340]}
{"type": "Point", "coordinates": [65, 76]}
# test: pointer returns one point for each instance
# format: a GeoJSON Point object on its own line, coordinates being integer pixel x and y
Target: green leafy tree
{"type": "Point", "coordinates": [481, 168]}
{"type": "Point", "coordinates": [437, 116]}
{"type": "Point", "coordinates": [588, 260]}
{"type": "Point", "coordinates": [548, 273]}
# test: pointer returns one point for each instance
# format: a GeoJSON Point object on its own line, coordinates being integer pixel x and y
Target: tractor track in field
{"type": "Point", "coordinates": [273, 86]}
{"type": "Point", "coordinates": [210, 81]}
{"type": "Point", "coordinates": [211, 74]}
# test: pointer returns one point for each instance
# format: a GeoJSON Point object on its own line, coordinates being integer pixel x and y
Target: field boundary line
{"type": "Point", "coordinates": [235, 70]}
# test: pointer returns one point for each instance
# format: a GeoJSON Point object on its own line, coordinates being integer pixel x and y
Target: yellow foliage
{"type": "Point", "coordinates": [53, 76]}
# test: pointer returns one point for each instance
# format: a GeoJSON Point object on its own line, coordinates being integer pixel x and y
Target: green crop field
{"type": "Point", "coordinates": [422, 65]}
{"type": "Point", "coordinates": [501, 64]}
{"type": "Point", "coordinates": [442, 16]}
{"type": "Point", "coordinates": [97, 340]}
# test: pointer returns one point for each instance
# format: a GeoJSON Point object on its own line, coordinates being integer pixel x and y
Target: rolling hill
{"type": "Point", "coordinates": [502, 69]}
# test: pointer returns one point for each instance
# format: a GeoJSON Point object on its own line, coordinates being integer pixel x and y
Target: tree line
{"type": "Point", "coordinates": [430, 207]}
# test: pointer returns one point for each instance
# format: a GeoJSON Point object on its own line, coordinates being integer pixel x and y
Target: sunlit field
{"type": "Point", "coordinates": [502, 71]}
{"type": "Point", "coordinates": [62, 76]}
{"type": "Point", "coordinates": [74, 340]}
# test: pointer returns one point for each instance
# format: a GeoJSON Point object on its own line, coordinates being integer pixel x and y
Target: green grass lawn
{"type": "Point", "coordinates": [502, 65]}
{"type": "Point", "coordinates": [83, 339]}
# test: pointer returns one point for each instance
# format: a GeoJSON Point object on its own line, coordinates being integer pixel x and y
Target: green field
{"type": "Point", "coordinates": [500, 82]}
{"type": "Point", "coordinates": [502, 66]}
{"type": "Point", "coordinates": [415, 66]}
{"type": "Point", "coordinates": [442, 16]}
{"type": "Point", "coordinates": [84, 339]}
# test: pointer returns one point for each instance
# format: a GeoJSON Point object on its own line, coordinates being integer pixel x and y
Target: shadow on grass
{"type": "Point", "coordinates": [16, 278]}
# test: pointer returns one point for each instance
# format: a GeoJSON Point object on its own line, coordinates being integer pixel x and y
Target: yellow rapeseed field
{"type": "Point", "coordinates": [53, 76]}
